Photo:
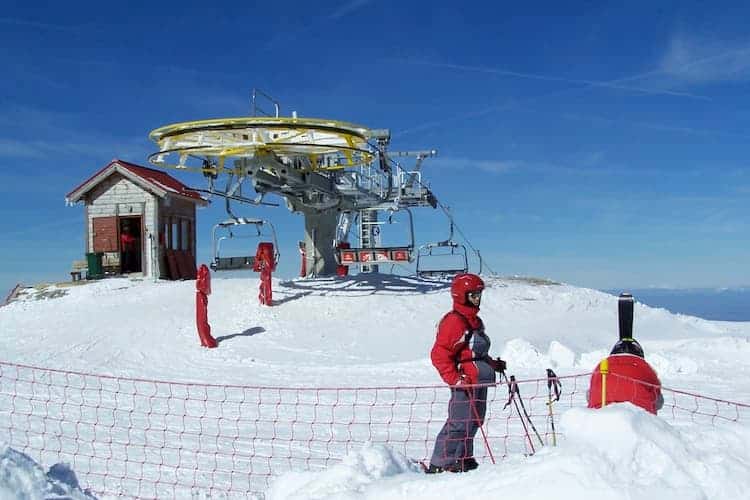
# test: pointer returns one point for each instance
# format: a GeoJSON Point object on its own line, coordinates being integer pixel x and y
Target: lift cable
{"type": "Point", "coordinates": [446, 211]}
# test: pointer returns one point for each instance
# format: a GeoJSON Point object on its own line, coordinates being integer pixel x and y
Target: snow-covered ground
{"type": "Point", "coordinates": [377, 330]}
{"type": "Point", "coordinates": [618, 453]}
{"type": "Point", "coordinates": [22, 477]}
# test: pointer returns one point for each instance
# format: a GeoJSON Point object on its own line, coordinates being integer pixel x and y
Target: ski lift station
{"type": "Point", "coordinates": [155, 208]}
{"type": "Point", "coordinates": [341, 177]}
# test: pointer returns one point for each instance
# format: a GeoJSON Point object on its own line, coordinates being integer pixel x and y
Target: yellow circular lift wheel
{"type": "Point", "coordinates": [321, 144]}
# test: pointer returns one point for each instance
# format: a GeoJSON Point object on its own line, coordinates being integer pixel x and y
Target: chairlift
{"type": "Point", "coordinates": [373, 255]}
{"type": "Point", "coordinates": [221, 262]}
{"type": "Point", "coordinates": [442, 259]}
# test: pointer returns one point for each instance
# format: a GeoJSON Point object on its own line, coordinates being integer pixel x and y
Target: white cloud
{"type": "Point", "coordinates": [617, 84]}
{"type": "Point", "coordinates": [347, 8]}
{"type": "Point", "coordinates": [50, 135]}
{"type": "Point", "coordinates": [661, 127]}
{"type": "Point", "coordinates": [497, 166]}
{"type": "Point", "coordinates": [591, 158]}
{"type": "Point", "coordinates": [21, 149]}
{"type": "Point", "coordinates": [492, 166]}
{"type": "Point", "coordinates": [13, 21]}
{"type": "Point", "coordinates": [697, 60]}
{"type": "Point", "coordinates": [132, 149]}
{"type": "Point", "coordinates": [587, 164]}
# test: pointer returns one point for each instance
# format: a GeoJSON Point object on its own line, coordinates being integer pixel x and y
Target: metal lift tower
{"type": "Point", "coordinates": [336, 174]}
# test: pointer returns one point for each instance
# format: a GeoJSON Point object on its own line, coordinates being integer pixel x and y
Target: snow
{"type": "Point", "coordinates": [377, 330]}
{"type": "Point", "coordinates": [645, 458]}
{"type": "Point", "coordinates": [22, 477]}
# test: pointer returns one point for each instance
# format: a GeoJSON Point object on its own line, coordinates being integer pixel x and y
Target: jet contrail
{"type": "Point", "coordinates": [612, 84]}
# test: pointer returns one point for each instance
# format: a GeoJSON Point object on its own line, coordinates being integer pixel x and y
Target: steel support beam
{"type": "Point", "coordinates": [320, 232]}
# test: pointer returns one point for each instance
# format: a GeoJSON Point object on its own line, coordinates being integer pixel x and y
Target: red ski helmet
{"type": "Point", "coordinates": [628, 346]}
{"type": "Point", "coordinates": [464, 283]}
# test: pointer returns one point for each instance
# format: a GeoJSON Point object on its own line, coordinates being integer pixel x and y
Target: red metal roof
{"type": "Point", "coordinates": [158, 178]}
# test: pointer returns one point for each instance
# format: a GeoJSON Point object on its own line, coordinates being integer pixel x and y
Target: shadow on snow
{"type": "Point", "coordinates": [247, 333]}
{"type": "Point", "coordinates": [365, 284]}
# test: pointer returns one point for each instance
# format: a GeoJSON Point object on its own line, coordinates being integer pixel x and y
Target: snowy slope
{"type": "Point", "coordinates": [377, 331]}
{"type": "Point", "coordinates": [380, 328]}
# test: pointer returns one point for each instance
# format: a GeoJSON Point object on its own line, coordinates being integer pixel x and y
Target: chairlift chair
{"type": "Point", "coordinates": [432, 257]}
{"type": "Point", "coordinates": [220, 262]}
{"type": "Point", "coordinates": [442, 259]}
{"type": "Point", "coordinates": [374, 255]}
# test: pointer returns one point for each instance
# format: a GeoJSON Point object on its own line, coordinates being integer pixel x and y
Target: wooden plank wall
{"type": "Point", "coordinates": [118, 196]}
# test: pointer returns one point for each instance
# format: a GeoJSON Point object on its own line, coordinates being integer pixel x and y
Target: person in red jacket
{"type": "Point", "coordinates": [460, 354]}
{"type": "Point", "coordinates": [629, 378]}
{"type": "Point", "coordinates": [128, 250]}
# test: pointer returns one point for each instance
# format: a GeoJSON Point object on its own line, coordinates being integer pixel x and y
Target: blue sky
{"type": "Point", "coordinates": [598, 144]}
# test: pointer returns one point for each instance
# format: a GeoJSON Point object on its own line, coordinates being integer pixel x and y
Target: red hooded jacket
{"type": "Point", "coordinates": [452, 345]}
{"type": "Point", "coordinates": [631, 379]}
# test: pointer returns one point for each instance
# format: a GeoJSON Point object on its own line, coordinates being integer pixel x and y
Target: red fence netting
{"type": "Point", "coordinates": [155, 439]}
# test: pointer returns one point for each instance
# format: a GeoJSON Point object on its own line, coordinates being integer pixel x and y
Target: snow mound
{"type": "Point", "coordinates": [635, 452]}
{"type": "Point", "coordinates": [617, 453]}
{"type": "Point", "coordinates": [357, 473]}
{"type": "Point", "coordinates": [22, 478]}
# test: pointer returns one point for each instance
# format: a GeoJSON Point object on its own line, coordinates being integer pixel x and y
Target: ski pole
{"type": "Point", "coordinates": [481, 428]}
{"type": "Point", "coordinates": [511, 394]}
{"type": "Point", "coordinates": [552, 380]}
{"type": "Point", "coordinates": [604, 370]}
{"type": "Point", "coordinates": [518, 392]}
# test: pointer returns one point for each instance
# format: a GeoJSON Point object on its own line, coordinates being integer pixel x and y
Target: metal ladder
{"type": "Point", "coordinates": [368, 220]}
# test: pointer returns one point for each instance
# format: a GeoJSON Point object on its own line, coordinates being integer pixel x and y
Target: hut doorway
{"type": "Point", "coordinates": [131, 244]}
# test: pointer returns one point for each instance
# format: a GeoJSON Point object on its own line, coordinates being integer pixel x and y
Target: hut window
{"type": "Point", "coordinates": [184, 234]}
{"type": "Point", "coordinates": [191, 237]}
{"type": "Point", "coordinates": [175, 236]}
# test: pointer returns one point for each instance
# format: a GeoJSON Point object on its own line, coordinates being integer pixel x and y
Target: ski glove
{"type": "Point", "coordinates": [462, 382]}
{"type": "Point", "coordinates": [497, 364]}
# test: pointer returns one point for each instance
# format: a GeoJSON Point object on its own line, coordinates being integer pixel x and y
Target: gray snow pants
{"type": "Point", "coordinates": [455, 441]}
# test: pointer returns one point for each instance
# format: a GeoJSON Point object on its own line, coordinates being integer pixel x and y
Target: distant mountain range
{"type": "Point", "coordinates": [722, 304]}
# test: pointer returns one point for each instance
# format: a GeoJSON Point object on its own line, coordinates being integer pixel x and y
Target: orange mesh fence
{"type": "Point", "coordinates": [155, 439]}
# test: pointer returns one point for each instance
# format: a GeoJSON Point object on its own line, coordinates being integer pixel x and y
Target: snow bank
{"type": "Point", "coordinates": [23, 478]}
{"type": "Point", "coordinates": [618, 453]}
{"type": "Point", "coordinates": [357, 475]}
{"type": "Point", "coordinates": [642, 455]}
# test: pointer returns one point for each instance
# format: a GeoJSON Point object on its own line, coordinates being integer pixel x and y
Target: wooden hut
{"type": "Point", "coordinates": [139, 220]}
